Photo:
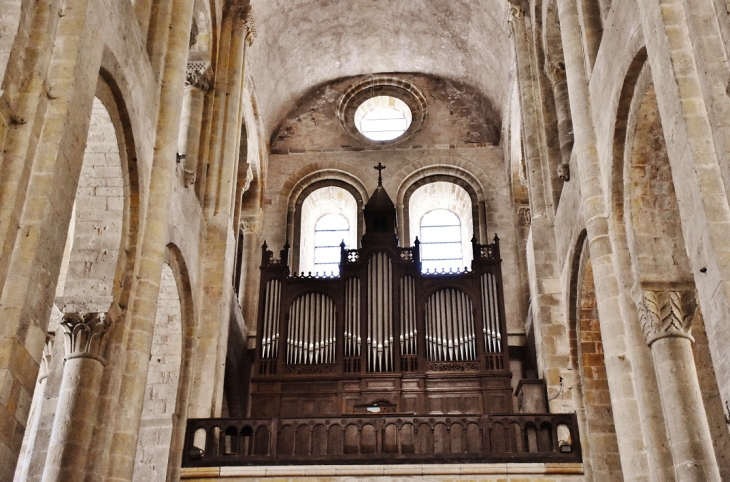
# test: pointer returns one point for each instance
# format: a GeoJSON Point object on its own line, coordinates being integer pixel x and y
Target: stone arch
{"type": "Point", "coordinates": [649, 239]}
{"type": "Point", "coordinates": [440, 173]}
{"type": "Point", "coordinates": [591, 395]}
{"type": "Point", "coordinates": [162, 430]}
{"type": "Point", "coordinates": [97, 260]}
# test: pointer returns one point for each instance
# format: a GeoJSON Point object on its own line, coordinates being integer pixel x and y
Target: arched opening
{"type": "Point", "coordinates": [163, 376]}
{"type": "Point", "coordinates": [441, 215]}
{"type": "Point", "coordinates": [91, 274]}
{"type": "Point", "coordinates": [329, 215]}
{"type": "Point", "coordinates": [659, 260]}
{"type": "Point", "coordinates": [591, 391]}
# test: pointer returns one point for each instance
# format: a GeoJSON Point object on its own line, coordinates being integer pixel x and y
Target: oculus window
{"type": "Point", "coordinates": [383, 118]}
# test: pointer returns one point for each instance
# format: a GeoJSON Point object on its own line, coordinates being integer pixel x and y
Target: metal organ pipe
{"type": "Point", "coordinates": [409, 332]}
{"type": "Point", "coordinates": [352, 317]}
{"type": "Point", "coordinates": [490, 313]}
{"type": "Point", "coordinates": [270, 329]}
{"type": "Point", "coordinates": [380, 313]}
{"type": "Point", "coordinates": [449, 326]}
{"type": "Point", "coordinates": [311, 330]}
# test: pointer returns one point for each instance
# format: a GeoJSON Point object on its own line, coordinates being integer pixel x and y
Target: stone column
{"type": "Point", "coordinates": [198, 81]}
{"type": "Point", "coordinates": [556, 74]}
{"type": "Point", "coordinates": [641, 441]}
{"type": "Point", "coordinates": [84, 340]}
{"type": "Point", "coordinates": [666, 316]}
{"type": "Point", "coordinates": [21, 473]}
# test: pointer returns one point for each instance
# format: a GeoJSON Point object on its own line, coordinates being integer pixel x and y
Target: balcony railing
{"type": "Point", "coordinates": [383, 439]}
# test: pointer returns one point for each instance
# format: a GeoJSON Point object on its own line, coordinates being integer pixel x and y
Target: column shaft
{"type": "Point", "coordinates": [684, 412]}
{"type": "Point", "coordinates": [74, 422]}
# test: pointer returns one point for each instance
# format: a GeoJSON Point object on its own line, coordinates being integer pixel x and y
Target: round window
{"type": "Point", "coordinates": [383, 118]}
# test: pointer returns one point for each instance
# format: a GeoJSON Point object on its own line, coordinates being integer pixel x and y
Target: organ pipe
{"type": "Point", "coordinates": [270, 335]}
{"type": "Point", "coordinates": [450, 326]}
{"type": "Point", "coordinates": [311, 330]}
{"type": "Point", "coordinates": [352, 317]}
{"type": "Point", "coordinates": [490, 313]}
{"type": "Point", "coordinates": [380, 313]}
{"type": "Point", "coordinates": [409, 332]}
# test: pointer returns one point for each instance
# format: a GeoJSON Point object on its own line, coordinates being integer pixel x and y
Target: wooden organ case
{"type": "Point", "coordinates": [382, 337]}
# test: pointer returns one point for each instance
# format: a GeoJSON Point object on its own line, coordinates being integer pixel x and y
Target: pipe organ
{"type": "Point", "coordinates": [381, 336]}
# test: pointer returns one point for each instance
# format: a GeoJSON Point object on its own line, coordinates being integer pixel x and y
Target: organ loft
{"type": "Point", "coordinates": [203, 278]}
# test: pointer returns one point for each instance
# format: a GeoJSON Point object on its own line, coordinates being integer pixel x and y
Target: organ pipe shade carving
{"type": "Point", "coordinates": [311, 330]}
{"type": "Point", "coordinates": [270, 334]}
{"type": "Point", "coordinates": [352, 317]}
{"type": "Point", "coordinates": [409, 332]}
{"type": "Point", "coordinates": [450, 326]}
{"type": "Point", "coordinates": [490, 314]}
{"type": "Point", "coordinates": [380, 313]}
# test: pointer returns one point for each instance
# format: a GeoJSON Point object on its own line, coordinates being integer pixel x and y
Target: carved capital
{"type": "Point", "coordinates": [555, 72]}
{"type": "Point", "coordinates": [199, 75]}
{"type": "Point", "coordinates": [564, 172]}
{"type": "Point", "coordinates": [516, 9]}
{"type": "Point", "coordinates": [84, 335]}
{"type": "Point", "coordinates": [250, 224]}
{"type": "Point", "coordinates": [250, 28]}
{"type": "Point", "coordinates": [525, 216]}
{"type": "Point", "coordinates": [189, 177]}
{"type": "Point", "coordinates": [248, 180]}
{"type": "Point", "coordinates": [667, 313]}
{"type": "Point", "coordinates": [46, 357]}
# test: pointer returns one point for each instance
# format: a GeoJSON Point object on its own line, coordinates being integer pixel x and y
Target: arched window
{"type": "Point", "coordinates": [328, 216]}
{"type": "Point", "coordinates": [441, 241]}
{"type": "Point", "coordinates": [329, 232]}
{"type": "Point", "coordinates": [441, 215]}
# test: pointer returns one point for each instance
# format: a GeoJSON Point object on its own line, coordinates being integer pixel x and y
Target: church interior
{"type": "Point", "coordinates": [381, 240]}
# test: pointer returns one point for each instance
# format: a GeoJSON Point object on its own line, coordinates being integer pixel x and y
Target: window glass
{"type": "Point", "coordinates": [440, 241]}
{"type": "Point", "coordinates": [329, 232]}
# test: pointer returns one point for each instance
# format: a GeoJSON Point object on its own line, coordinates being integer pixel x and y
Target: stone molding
{"type": "Point", "coordinates": [199, 75]}
{"type": "Point", "coordinates": [46, 357]}
{"type": "Point", "coordinates": [667, 313]}
{"type": "Point", "coordinates": [84, 335]}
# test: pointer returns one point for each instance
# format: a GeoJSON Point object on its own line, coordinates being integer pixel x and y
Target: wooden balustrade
{"type": "Point", "coordinates": [383, 438]}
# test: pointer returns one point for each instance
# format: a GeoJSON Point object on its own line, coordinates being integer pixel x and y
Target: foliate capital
{"type": "Point", "coordinates": [199, 75]}
{"type": "Point", "coordinates": [555, 71]}
{"type": "Point", "coordinates": [46, 357]}
{"type": "Point", "coordinates": [516, 9]}
{"type": "Point", "coordinates": [85, 335]}
{"type": "Point", "coordinates": [250, 28]}
{"type": "Point", "coordinates": [666, 313]}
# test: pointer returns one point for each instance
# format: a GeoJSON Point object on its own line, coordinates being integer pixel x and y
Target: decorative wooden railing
{"type": "Point", "coordinates": [383, 438]}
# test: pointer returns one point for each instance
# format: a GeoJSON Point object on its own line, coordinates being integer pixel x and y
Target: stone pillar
{"type": "Point", "coordinates": [146, 289]}
{"type": "Point", "coordinates": [84, 340]}
{"type": "Point", "coordinates": [641, 441]}
{"type": "Point", "coordinates": [666, 316]}
{"type": "Point", "coordinates": [21, 473]}
{"type": "Point", "coordinates": [556, 74]}
{"type": "Point", "coordinates": [198, 81]}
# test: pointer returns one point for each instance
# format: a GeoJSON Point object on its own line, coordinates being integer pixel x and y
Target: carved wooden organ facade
{"type": "Point", "coordinates": [382, 337]}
